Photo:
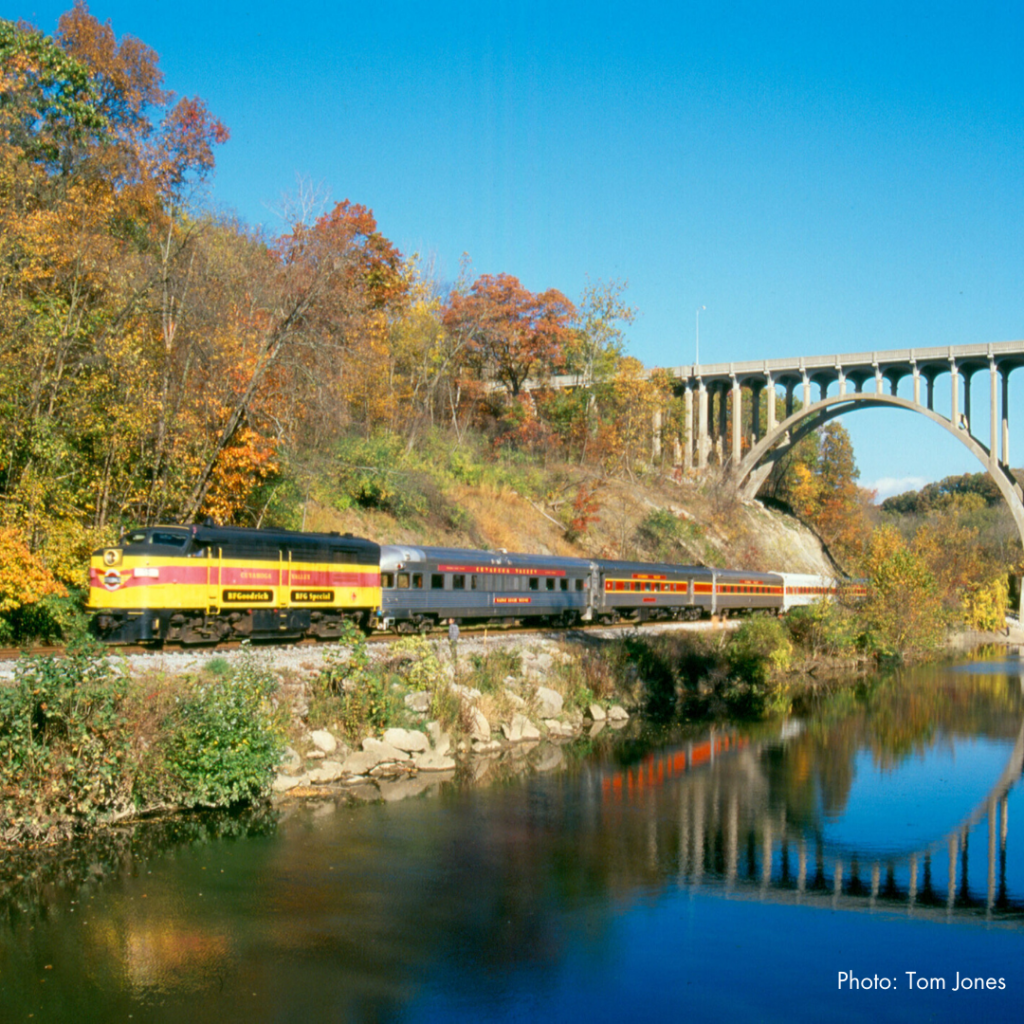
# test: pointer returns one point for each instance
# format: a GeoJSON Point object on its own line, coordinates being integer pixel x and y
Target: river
{"type": "Point", "coordinates": [864, 861]}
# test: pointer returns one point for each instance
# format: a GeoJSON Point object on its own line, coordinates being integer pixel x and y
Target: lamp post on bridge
{"type": "Point", "coordinates": [697, 352]}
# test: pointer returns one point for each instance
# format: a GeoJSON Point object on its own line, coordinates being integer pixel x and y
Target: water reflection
{"type": "Point", "coordinates": [897, 799]}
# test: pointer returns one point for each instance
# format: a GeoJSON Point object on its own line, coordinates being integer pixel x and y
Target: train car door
{"type": "Point", "coordinates": [214, 563]}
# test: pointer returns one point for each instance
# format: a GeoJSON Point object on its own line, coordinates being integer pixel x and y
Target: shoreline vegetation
{"type": "Point", "coordinates": [86, 743]}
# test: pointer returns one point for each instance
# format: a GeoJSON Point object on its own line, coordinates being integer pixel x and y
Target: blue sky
{"type": "Point", "coordinates": [822, 177]}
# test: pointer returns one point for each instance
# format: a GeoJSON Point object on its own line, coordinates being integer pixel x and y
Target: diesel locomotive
{"type": "Point", "coordinates": [206, 583]}
{"type": "Point", "coordinates": [203, 584]}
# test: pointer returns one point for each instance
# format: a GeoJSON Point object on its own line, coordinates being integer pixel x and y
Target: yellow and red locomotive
{"type": "Point", "coordinates": [206, 583]}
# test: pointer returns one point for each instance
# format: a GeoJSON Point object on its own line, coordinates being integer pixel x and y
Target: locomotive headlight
{"type": "Point", "coordinates": [112, 556]}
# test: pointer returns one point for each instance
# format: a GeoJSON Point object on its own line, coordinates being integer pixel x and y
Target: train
{"type": "Point", "coordinates": [205, 583]}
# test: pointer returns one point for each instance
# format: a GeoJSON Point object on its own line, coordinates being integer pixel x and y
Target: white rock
{"type": "Point", "coordinates": [385, 751]}
{"type": "Point", "coordinates": [557, 728]}
{"type": "Point", "coordinates": [544, 662]}
{"type": "Point", "coordinates": [329, 771]}
{"type": "Point", "coordinates": [595, 728]}
{"type": "Point", "coordinates": [596, 712]}
{"type": "Point", "coordinates": [617, 713]}
{"type": "Point", "coordinates": [408, 740]}
{"type": "Point", "coordinates": [486, 746]}
{"type": "Point", "coordinates": [433, 762]}
{"type": "Point", "coordinates": [418, 702]}
{"type": "Point", "coordinates": [549, 702]}
{"type": "Point", "coordinates": [520, 729]}
{"type": "Point", "coordinates": [515, 700]}
{"type": "Point", "coordinates": [290, 761]}
{"type": "Point", "coordinates": [323, 740]}
{"type": "Point", "coordinates": [480, 728]}
{"type": "Point", "coordinates": [283, 783]}
{"type": "Point", "coordinates": [360, 762]}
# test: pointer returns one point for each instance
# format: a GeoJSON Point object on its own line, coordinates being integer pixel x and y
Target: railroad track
{"type": "Point", "coordinates": [8, 654]}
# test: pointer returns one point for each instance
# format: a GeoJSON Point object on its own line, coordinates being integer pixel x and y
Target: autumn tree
{"type": "Point", "coordinates": [509, 331]}
{"type": "Point", "coordinates": [904, 612]}
{"type": "Point", "coordinates": [825, 494]}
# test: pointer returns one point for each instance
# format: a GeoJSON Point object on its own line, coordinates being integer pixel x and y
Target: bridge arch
{"type": "Point", "coordinates": [753, 469]}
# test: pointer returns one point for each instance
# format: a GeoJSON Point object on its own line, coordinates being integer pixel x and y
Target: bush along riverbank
{"type": "Point", "coordinates": [87, 742]}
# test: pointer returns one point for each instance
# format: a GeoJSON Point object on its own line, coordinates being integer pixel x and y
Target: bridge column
{"type": "Point", "coordinates": [807, 388]}
{"type": "Point", "coordinates": [657, 418]}
{"type": "Point", "coordinates": [688, 428]}
{"type": "Point", "coordinates": [737, 422]}
{"type": "Point", "coordinates": [702, 426]}
{"type": "Point", "coordinates": [878, 379]}
{"type": "Point", "coordinates": [967, 400]}
{"type": "Point", "coordinates": [917, 385]}
{"type": "Point", "coordinates": [993, 413]}
{"type": "Point", "coordinates": [954, 388]}
{"type": "Point", "coordinates": [1006, 419]}
{"type": "Point", "coordinates": [771, 403]}
{"type": "Point", "coordinates": [723, 416]}
{"type": "Point", "coordinates": [842, 381]}
{"type": "Point", "coordinates": [755, 410]}
{"type": "Point", "coordinates": [789, 398]}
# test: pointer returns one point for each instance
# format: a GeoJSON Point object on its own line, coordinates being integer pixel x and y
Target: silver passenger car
{"type": "Point", "coordinates": [424, 586]}
{"type": "Point", "coordinates": [642, 590]}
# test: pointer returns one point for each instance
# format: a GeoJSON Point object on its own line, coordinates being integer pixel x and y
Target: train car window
{"type": "Point", "coordinates": [472, 582]}
{"type": "Point", "coordinates": [403, 581]}
{"type": "Point", "coordinates": [534, 583]}
{"type": "Point", "coordinates": [636, 586]}
{"type": "Point", "coordinates": [417, 581]}
{"type": "Point", "coordinates": [171, 540]}
{"type": "Point", "coordinates": [436, 581]}
{"type": "Point", "coordinates": [387, 580]}
{"type": "Point", "coordinates": [647, 586]}
{"type": "Point", "coordinates": [565, 584]}
{"type": "Point", "coordinates": [549, 583]}
{"type": "Point", "coordinates": [458, 581]}
{"type": "Point", "coordinates": [579, 584]}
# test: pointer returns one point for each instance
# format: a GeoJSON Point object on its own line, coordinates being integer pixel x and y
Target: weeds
{"type": "Point", "coordinates": [490, 670]}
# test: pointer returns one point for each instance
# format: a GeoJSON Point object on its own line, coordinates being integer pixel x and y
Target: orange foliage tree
{"type": "Point", "coordinates": [510, 332]}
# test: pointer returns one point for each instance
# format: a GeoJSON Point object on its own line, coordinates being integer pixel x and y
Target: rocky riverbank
{"type": "Point", "coordinates": [519, 723]}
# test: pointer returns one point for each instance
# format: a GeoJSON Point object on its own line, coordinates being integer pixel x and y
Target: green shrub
{"type": "Point", "coordinates": [50, 620]}
{"type": "Point", "coordinates": [760, 649]}
{"type": "Point", "coordinates": [223, 740]}
{"type": "Point", "coordinates": [360, 697]}
{"type": "Point", "coordinates": [415, 660]}
{"type": "Point", "coordinates": [65, 745]}
{"type": "Point", "coordinates": [825, 628]}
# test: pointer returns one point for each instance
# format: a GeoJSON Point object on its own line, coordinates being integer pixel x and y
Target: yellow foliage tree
{"type": "Point", "coordinates": [23, 578]}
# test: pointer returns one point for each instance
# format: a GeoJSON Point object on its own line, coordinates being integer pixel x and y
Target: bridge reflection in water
{"type": "Point", "coordinates": [712, 814]}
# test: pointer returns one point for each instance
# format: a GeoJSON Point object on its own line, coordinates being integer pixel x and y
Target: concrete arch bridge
{"type": "Point", "coordinates": [858, 381]}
